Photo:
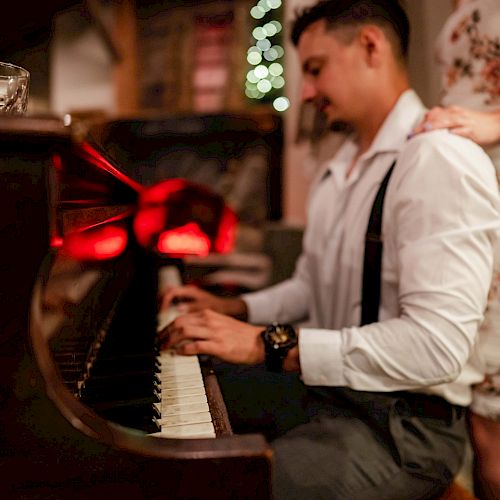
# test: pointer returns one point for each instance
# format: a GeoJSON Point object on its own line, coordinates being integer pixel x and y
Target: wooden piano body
{"type": "Point", "coordinates": [52, 445]}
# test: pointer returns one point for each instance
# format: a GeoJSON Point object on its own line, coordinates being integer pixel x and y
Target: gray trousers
{"type": "Point", "coordinates": [336, 443]}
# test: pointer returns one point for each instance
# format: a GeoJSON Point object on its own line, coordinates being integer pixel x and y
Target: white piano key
{"type": "Point", "coordinates": [177, 399]}
{"type": "Point", "coordinates": [204, 430]}
{"type": "Point", "coordinates": [188, 383]}
{"type": "Point", "coordinates": [185, 408]}
{"type": "Point", "coordinates": [171, 358]}
{"type": "Point", "coordinates": [168, 276]}
{"type": "Point", "coordinates": [167, 375]}
{"type": "Point", "coordinates": [184, 419]}
{"type": "Point", "coordinates": [181, 370]}
{"type": "Point", "coordinates": [166, 316]}
{"type": "Point", "coordinates": [176, 392]}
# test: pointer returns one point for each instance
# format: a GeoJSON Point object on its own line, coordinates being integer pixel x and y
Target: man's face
{"type": "Point", "coordinates": [334, 72]}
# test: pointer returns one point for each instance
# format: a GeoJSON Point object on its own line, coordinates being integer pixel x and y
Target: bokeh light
{"type": "Point", "coordinates": [270, 55]}
{"type": "Point", "coordinates": [266, 78]}
{"type": "Point", "coordinates": [259, 33]}
{"type": "Point", "coordinates": [275, 69]}
{"type": "Point", "coordinates": [264, 5]}
{"type": "Point", "coordinates": [277, 25]}
{"type": "Point", "coordinates": [274, 4]}
{"type": "Point", "coordinates": [270, 29]}
{"type": "Point", "coordinates": [264, 44]}
{"type": "Point", "coordinates": [264, 86]}
{"type": "Point", "coordinates": [261, 71]}
{"type": "Point", "coordinates": [281, 104]}
{"type": "Point", "coordinates": [252, 77]}
{"type": "Point", "coordinates": [279, 49]}
{"type": "Point", "coordinates": [278, 82]}
{"type": "Point", "coordinates": [257, 12]}
{"type": "Point", "coordinates": [254, 58]}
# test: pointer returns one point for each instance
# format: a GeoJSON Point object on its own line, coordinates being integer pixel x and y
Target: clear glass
{"type": "Point", "coordinates": [14, 89]}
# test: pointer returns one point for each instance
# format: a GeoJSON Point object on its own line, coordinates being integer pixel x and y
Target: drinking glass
{"type": "Point", "coordinates": [14, 88]}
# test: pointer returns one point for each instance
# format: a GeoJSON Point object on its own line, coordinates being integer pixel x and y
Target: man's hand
{"type": "Point", "coordinates": [482, 127]}
{"type": "Point", "coordinates": [208, 332]}
{"type": "Point", "coordinates": [192, 299]}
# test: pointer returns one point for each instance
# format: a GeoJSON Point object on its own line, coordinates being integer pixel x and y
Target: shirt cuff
{"type": "Point", "coordinates": [321, 357]}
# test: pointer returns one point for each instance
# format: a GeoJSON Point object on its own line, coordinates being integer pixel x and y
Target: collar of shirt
{"type": "Point", "coordinates": [390, 138]}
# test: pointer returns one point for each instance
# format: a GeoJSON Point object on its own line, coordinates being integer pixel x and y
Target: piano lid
{"type": "Point", "coordinates": [88, 177]}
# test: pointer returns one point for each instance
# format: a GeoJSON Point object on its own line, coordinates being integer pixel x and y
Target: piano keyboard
{"type": "Point", "coordinates": [183, 407]}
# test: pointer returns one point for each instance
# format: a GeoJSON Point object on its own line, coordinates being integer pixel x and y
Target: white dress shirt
{"type": "Point", "coordinates": [441, 216]}
{"type": "Point", "coordinates": [469, 35]}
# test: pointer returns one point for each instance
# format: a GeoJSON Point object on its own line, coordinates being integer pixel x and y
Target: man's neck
{"type": "Point", "coordinates": [373, 120]}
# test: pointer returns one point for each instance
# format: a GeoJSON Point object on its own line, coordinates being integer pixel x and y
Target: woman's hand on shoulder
{"type": "Point", "coordinates": [482, 127]}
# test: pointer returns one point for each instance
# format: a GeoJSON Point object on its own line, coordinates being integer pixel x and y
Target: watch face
{"type": "Point", "coordinates": [281, 335]}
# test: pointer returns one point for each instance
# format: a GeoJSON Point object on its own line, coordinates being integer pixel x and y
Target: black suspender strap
{"type": "Point", "coordinates": [372, 264]}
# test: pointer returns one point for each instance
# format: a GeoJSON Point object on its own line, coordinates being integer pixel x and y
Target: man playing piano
{"type": "Point", "coordinates": [363, 400]}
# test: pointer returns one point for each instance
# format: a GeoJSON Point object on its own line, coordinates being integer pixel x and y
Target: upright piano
{"type": "Point", "coordinates": [81, 404]}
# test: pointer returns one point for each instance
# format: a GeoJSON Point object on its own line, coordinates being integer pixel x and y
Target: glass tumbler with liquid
{"type": "Point", "coordinates": [14, 89]}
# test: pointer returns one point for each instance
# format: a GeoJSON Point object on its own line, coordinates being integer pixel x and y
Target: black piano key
{"type": "Point", "coordinates": [111, 388]}
{"type": "Point", "coordinates": [138, 416]}
{"type": "Point", "coordinates": [124, 364]}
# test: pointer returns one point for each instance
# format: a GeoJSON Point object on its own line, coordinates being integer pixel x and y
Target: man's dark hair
{"type": "Point", "coordinates": [388, 14]}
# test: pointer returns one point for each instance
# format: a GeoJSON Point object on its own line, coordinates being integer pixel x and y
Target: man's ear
{"type": "Point", "coordinates": [374, 44]}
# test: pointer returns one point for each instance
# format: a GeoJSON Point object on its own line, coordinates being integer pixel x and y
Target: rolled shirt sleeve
{"type": "Point", "coordinates": [286, 302]}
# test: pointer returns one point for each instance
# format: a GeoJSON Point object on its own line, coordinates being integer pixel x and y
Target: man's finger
{"type": "Point", "coordinates": [191, 348]}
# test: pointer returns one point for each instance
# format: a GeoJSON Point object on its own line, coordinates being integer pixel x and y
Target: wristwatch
{"type": "Point", "coordinates": [278, 340]}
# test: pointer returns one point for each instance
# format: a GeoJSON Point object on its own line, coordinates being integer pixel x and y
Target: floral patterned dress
{"type": "Point", "coordinates": [468, 51]}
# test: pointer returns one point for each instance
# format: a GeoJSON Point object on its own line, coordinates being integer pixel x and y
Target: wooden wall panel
{"type": "Point", "coordinates": [126, 75]}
